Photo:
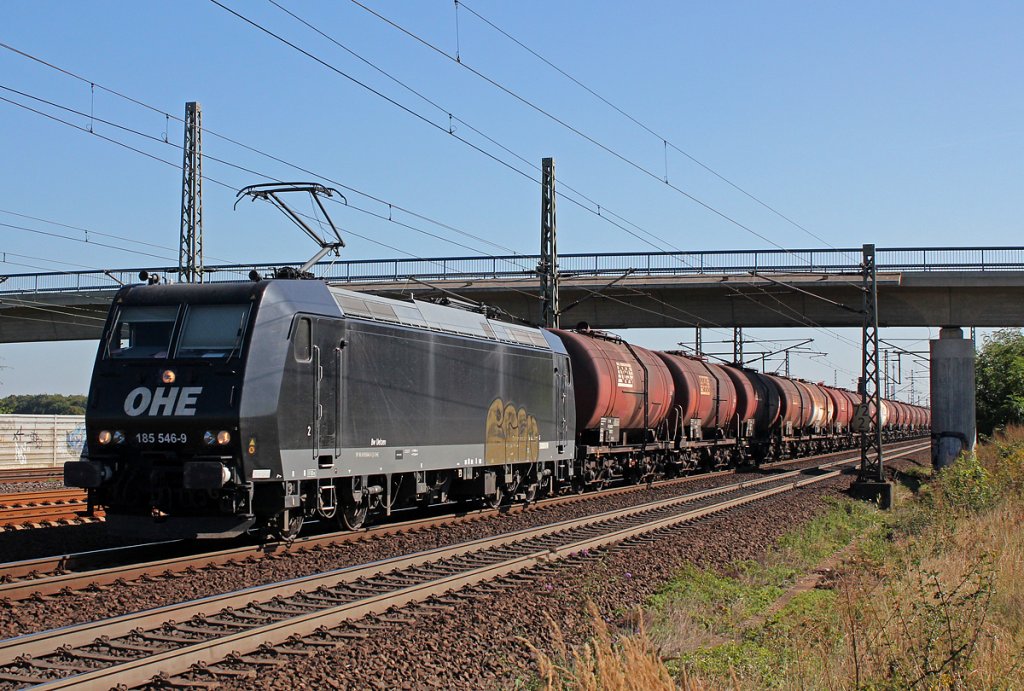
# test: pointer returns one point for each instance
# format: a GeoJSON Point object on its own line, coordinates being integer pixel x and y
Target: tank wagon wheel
{"type": "Point", "coordinates": [353, 516]}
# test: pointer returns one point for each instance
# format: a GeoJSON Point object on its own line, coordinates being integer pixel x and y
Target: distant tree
{"type": "Point", "coordinates": [999, 373]}
{"type": "Point", "coordinates": [43, 404]}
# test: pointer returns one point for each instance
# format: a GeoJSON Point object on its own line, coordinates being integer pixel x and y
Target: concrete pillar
{"type": "Point", "coordinates": [952, 396]}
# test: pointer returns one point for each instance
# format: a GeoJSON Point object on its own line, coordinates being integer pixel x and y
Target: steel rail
{"type": "Point", "coordinates": [341, 595]}
{"type": "Point", "coordinates": [16, 475]}
{"type": "Point", "coordinates": [25, 579]}
{"type": "Point", "coordinates": [41, 497]}
{"type": "Point", "coordinates": [23, 508]}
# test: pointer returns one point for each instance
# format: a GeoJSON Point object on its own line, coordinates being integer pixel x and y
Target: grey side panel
{"type": "Point", "coordinates": [296, 463]}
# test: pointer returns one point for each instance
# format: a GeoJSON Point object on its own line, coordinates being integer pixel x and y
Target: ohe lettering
{"type": "Point", "coordinates": [165, 400]}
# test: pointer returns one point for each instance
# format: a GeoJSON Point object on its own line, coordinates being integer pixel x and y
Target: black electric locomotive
{"type": "Point", "coordinates": [220, 409]}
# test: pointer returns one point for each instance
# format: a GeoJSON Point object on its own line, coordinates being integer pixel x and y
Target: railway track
{"type": "Point", "coordinates": [15, 475]}
{"type": "Point", "coordinates": [292, 618]}
{"type": "Point", "coordinates": [88, 570]}
{"type": "Point", "coordinates": [33, 509]}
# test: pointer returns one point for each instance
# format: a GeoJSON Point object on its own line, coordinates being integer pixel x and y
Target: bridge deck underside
{"type": "Point", "coordinates": [955, 298]}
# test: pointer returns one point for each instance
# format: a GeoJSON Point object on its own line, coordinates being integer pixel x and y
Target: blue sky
{"type": "Point", "coordinates": [893, 123]}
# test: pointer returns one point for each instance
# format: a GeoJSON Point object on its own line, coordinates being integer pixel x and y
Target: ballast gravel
{"type": "Point", "coordinates": [19, 618]}
{"type": "Point", "coordinates": [480, 643]}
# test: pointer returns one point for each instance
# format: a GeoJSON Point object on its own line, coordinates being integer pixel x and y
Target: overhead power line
{"type": "Point", "coordinates": [449, 130]}
{"type": "Point", "coordinates": [797, 317]}
{"type": "Point", "coordinates": [560, 121]}
{"type": "Point", "coordinates": [635, 120]}
{"type": "Point", "coordinates": [233, 188]}
{"type": "Point", "coordinates": [602, 212]}
{"type": "Point", "coordinates": [598, 210]}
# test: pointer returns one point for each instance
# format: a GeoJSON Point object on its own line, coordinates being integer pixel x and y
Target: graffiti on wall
{"type": "Point", "coordinates": [40, 440]}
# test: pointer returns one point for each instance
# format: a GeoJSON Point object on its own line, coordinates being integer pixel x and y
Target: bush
{"type": "Point", "coordinates": [966, 485]}
{"type": "Point", "coordinates": [999, 375]}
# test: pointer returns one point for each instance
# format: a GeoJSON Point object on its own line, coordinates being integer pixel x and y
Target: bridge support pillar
{"type": "Point", "coordinates": [952, 396]}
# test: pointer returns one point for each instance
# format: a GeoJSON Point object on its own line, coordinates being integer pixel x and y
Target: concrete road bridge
{"type": "Point", "coordinates": [949, 287]}
{"type": "Point", "coordinates": [935, 286]}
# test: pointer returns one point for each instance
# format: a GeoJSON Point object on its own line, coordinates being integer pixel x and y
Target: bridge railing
{"type": "Point", "coordinates": [717, 262]}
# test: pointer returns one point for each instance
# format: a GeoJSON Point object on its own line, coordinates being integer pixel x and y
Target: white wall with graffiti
{"type": "Point", "coordinates": [40, 441]}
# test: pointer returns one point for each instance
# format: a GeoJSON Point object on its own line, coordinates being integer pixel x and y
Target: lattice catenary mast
{"type": "Point", "coordinates": [871, 476]}
{"type": "Point", "coordinates": [548, 266]}
{"type": "Point", "coordinates": [190, 253]}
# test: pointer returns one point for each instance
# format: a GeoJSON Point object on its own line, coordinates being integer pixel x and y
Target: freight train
{"type": "Point", "coordinates": [217, 410]}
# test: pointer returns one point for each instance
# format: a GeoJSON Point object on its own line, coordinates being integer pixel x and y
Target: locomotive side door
{"type": "Point", "coordinates": [561, 400]}
{"type": "Point", "coordinates": [339, 389]}
{"type": "Point", "coordinates": [325, 374]}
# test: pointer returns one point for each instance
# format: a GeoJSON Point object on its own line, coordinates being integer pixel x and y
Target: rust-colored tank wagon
{"type": "Point", "coordinates": [609, 381]}
{"type": "Point", "coordinates": [751, 391]}
{"type": "Point", "coordinates": [757, 400]}
{"type": "Point", "coordinates": [904, 414]}
{"type": "Point", "coordinates": [885, 414]}
{"type": "Point", "coordinates": [747, 397]}
{"type": "Point", "coordinates": [815, 414]}
{"type": "Point", "coordinates": [821, 405]}
{"type": "Point", "coordinates": [795, 404]}
{"type": "Point", "coordinates": [842, 405]}
{"type": "Point", "coordinates": [703, 391]}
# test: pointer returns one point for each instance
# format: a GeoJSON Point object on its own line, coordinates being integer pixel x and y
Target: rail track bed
{"type": "Point", "coordinates": [30, 479]}
{"type": "Point", "coordinates": [30, 474]}
{"type": "Point", "coordinates": [49, 507]}
{"type": "Point", "coordinates": [481, 643]}
{"type": "Point", "coordinates": [294, 618]}
{"type": "Point", "coordinates": [96, 569]}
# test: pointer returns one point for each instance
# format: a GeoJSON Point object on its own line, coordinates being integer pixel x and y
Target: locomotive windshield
{"type": "Point", "coordinates": [207, 331]}
{"type": "Point", "coordinates": [212, 331]}
{"type": "Point", "coordinates": [142, 332]}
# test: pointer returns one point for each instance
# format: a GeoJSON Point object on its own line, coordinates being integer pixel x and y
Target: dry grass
{"type": "Point", "coordinates": [942, 615]}
{"type": "Point", "coordinates": [934, 601]}
{"type": "Point", "coordinates": [607, 663]}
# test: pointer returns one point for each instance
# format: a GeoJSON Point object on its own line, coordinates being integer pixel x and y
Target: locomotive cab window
{"type": "Point", "coordinates": [212, 331]}
{"type": "Point", "coordinates": [303, 340]}
{"type": "Point", "coordinates": [142, 332]}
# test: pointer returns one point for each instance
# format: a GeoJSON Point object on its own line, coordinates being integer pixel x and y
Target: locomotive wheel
{"type": "Point", "coordinates": [530, 493]}
{"type": "Point", "coordinates": [353, 516]}
{"type": "Point", "coordinates": [290, 523]}
{"type": "Point", "coordinates": [497, 499]}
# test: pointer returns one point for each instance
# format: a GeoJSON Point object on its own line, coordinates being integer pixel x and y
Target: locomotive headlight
{"type": "Point", "coordinates": [168, 376]}
{"type": "Point", "coordinates": [104, 437]}
{"type": "Point", "coordinates": [118, 437]}
{"type": "Point", "coordinates": [220, 438]}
